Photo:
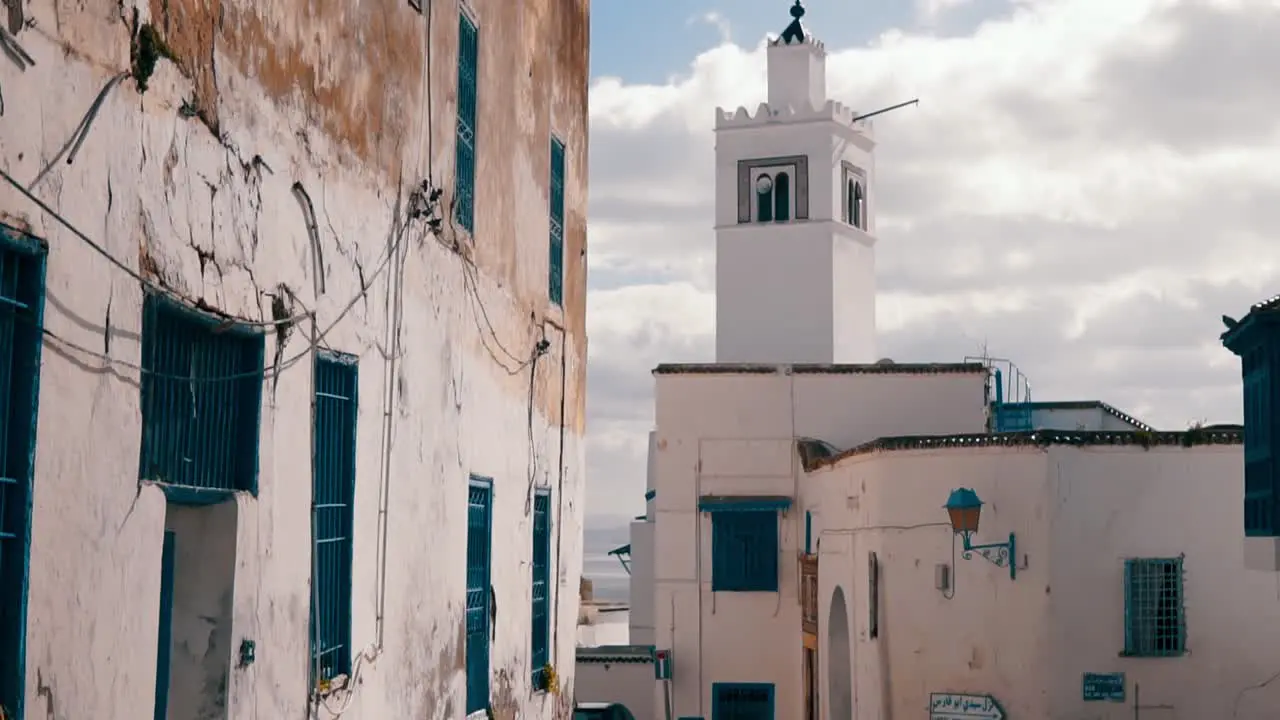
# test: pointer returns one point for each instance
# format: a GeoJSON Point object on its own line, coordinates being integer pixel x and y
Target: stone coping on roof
{"type": "Point", "coordinates": [1040, 438]}
{"type": "Point", "coordinates": [603, 654]}
{"type": "Point", "coordinates": [881, 368]}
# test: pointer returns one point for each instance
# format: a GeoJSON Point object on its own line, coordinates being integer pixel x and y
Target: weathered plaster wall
{"type": "Point", "coordinates": [190, 183]}
{"type": "Point", "coordinates": [1078, 513]}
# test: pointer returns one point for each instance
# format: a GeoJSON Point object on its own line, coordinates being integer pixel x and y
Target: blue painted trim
{"type": "Point", "coordinates": [478, 704]}
{"type": "Point", "coordinates": [36, 248]}
{"type": "Point", "coordinates": [336, 382]}
{"type": "Point", "coordinates": [164, 634]}
{"type": "Point", "coordinates": [723, 709]}
{"type": "Point", "coordinates": [154, 306]}
{"type": "Point", "coordinates": [650, 494]}
{"type": "Point", "coordinates": [540, 653]}
{"type": "Point", "coordinates": [744, 551]}
{"type": "Point", "coordinates": [743, 504]}
{"type": "Point", "coordinates": [195, 497]}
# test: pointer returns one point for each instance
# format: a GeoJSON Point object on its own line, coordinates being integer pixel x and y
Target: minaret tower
{"type": "Point", "coordinates": [795, 250]}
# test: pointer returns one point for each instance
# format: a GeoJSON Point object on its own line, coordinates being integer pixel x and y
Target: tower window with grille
{"type": "Point", "coordinates": [333, 487]}
{"type": "Point", "coordinates": [1155, 622]}
{"type": "Point", "coordinates": [479, 542]}
{"type": "Point", "coordinates": [201, 400]}
{"type": "Point", "coordinates": [468, 94]}
{"type": "Point", "coordinates": [22, 273]}
{"type": "Point", "coordinates": [541, 615]}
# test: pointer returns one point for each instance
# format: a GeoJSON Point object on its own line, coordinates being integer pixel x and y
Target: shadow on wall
{"type": "Point", "coordinates": [840, 666]}
{"type": "Point", "coordinates": [199, 612]}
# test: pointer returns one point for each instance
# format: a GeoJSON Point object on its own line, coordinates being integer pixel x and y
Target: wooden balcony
{"type": "Point", "coordinates": [809, 593]}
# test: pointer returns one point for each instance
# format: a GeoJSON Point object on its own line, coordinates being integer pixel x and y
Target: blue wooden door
{"type": "Point", "coordinates": [742, 701]}
{"type": "Point", "coordinates": [165, 630]}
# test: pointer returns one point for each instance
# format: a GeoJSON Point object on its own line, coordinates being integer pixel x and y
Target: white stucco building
{"type": "Point", "coordinates": [796, 559]}
{"type": "Point", "coordinates": [292, 358]}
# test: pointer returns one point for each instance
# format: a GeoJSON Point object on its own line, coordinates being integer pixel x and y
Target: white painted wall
{"type": "Point", "coordinates": [147, 176]}
{"type": "Point", "coordinates": [722, 431]}
{"type": "Point", "coordinates": [627, 683]}
{"type": "Point", "coordinates": [642, 565]}
{"type": "Point", "coordinates": [1077, 513]}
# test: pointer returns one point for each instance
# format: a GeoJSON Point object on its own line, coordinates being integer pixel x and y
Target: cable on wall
{"type": "Point", "coordinates": [73, 143]}
{"type": "Point", "coordinates": [228, 319]}
{"type": "Point", "coordinates": [266, 372]}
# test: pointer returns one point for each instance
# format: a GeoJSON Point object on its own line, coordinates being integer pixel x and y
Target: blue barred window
{"type": "Point", "coordinates": [22, 268]}
{"type": "Point", "coordinates": [479, 540]}
{"type": "Point", "coordinates": [742, 701]}
{"type": "Point", "coordinates": [541, 615]}
{"type": "Point", "coordinates": [201, 400]}
{"type": "Point", "coordinates": [464, 163]}
{"type": "Point", "coordinates": [333, 487]}
{"type": "Point", "coordinates": [1155, 621]}
{"type": "Point", "coordinates": [556, 281]}
{"type": "Point", "coordinates": [744, 551]}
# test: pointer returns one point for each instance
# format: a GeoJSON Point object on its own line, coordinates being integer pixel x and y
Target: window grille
{"type": "Point", "coordinates": [22, 273]}
{"type": "Point", "coordinates": [1155, 623]}
{"type": "Point", "coordinates": [465, 152]}
{"type": "Point", "coordinates": [556, 286]}
{"type": "Point", "coordinates": [479, 540]}
{"type": "Point", "coordinates": [333, 484]}
{"type": "Point", "coordinates": [201, 399]}
{"type": "Point", "coordinates": [541, 615]}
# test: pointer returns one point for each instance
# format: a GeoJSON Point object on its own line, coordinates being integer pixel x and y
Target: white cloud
{"type": "Point", "coordinates": [1086, 186]}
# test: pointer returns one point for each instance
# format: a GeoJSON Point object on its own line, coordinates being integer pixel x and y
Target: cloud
{"type": "Point", "coordinates": [717, 21]}
{"type": "Point", "coordinates": [1085, 188]}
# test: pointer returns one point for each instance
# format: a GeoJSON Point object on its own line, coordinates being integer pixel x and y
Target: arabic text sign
{"type": "Point", "coordinates": [961, 706]}
{"type": "Point", "coordinates": [1104, 686]}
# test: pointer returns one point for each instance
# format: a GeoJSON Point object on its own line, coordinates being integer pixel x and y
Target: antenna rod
{"type": "Point", "coordinates": [888, 109]}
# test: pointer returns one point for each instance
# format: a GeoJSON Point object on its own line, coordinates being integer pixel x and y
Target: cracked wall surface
{"type": "Point", "coordinates": [190, 183]}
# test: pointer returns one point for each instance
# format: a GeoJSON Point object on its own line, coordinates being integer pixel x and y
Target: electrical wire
{"type": "Point", "coordinates": [156, 287]}
{"type": "Point", "coordinates": [73, 143]}
{"type": "Point", "coordinates": [266, 372]}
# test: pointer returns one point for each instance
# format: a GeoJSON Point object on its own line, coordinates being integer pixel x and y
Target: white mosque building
{"type": "Point", "coordinates": [832, 535]}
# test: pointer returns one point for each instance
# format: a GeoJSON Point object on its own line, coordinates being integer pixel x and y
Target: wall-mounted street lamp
{"type": "Point", "coordinates": [964, 509]}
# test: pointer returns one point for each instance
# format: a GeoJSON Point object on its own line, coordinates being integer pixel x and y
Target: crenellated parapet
{"type": "Point", "coordinates": [765, 114]}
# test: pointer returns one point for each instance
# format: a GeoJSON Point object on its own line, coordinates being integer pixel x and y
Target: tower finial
{"type": "Point", "coordinates": [795, 31]}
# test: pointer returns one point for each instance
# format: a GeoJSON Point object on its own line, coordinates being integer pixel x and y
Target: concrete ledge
{"type": "Point", "coordinates": [1262, 553]}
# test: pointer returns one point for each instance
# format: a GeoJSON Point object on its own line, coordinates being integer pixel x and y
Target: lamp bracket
{"type": "Point", "coordinates": [999, 554]}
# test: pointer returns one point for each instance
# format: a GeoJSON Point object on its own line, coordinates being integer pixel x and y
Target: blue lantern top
{"type": "Point", "coordinates": [963, 499]}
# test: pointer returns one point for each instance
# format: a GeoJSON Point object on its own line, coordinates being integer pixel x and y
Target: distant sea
{"type": "Point", "coordinates": [610, 582]}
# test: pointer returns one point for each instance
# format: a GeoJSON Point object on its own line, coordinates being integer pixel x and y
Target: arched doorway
{"type": "Point", "coordinates": [839, 659]}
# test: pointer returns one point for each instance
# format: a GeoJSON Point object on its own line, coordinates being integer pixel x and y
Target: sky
{"type": "Point", "coordinates": [1085, 188]}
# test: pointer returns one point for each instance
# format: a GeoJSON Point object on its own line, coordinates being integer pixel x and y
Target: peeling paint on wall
{"type": "Point", "coordinates": [191, 185]}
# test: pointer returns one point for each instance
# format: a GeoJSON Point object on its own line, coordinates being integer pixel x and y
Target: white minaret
{"type": "Point", "coordinates": [795, 249]}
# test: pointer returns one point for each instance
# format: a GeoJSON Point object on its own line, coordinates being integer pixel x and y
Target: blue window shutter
{"type": "Point", "coordinates": [744, 551]}
{"type": "Point", "coordinates": [556, 285]}
{"type": "Point", "coordinates": [201, 393]}
{"type": "Point", "coordinates": [479, 542]}
{"type": "Point", "coordinates": [808, 533]}
{"type": "Point", "coordinates": [540, 632]}
{"type": "Point", "coordinates": [465, 154]}
{"type": "Point", "coordinates": [1155, 619]}
{"type": "Point", "coordinates": [22, 293]}
{"type": "Point", "coordinates": [333, 484]}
